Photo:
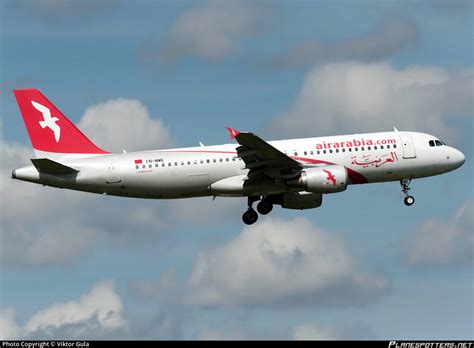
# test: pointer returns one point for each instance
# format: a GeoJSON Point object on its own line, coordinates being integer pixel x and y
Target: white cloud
{"type": "Point", "coordinates": [99, 311]}
{"type": "Point", "coordinates": [355, 97]}
{"type": "Point", "coordinates": [211, 31]}
{"type": "Point", "coordinates": [282, 263]}
{"type": "Point", "coordinates": [44, 226]}
{"type": "Point", "coordinates": [39, 229]}
{"type": "Point", "coordinates": [9, 328]}
{"type": "Point", "coordinates": [119, 124]}
{"type": "Point", "coordinates": [56, 243]}
{"type": "Point", "coordinates": [440, 242]}
{"type": "Point", "coordinates": [381, 42]}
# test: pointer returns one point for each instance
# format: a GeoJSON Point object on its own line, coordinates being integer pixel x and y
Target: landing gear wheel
{"type": "Point", "coordinates": [264, 207]}
{"type": "Point", "coordinates": [250, 217]}
{"type": "Point", "coordinates": [409, 200]}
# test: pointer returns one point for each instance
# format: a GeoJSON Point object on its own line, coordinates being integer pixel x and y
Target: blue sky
{"type": "Point", "coordinates": [85, 266]}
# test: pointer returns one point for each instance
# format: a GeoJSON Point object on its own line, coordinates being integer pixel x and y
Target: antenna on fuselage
{"type": "Point", "coordinates": [395, 129]}
{"type": "Point", "coordinates": [201, 144]}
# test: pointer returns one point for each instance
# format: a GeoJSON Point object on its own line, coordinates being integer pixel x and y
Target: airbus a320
{"type": "Point", "coordinates": [293, 174]}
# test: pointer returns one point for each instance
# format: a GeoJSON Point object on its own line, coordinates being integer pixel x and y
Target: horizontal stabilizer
{"type": "Point", "coordinates": [47, 166]}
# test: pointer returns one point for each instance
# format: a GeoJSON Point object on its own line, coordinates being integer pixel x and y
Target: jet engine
{"type": "Point", "coordinates": [324, 179]}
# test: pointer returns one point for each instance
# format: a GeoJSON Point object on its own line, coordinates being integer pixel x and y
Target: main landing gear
{"type": "Point", "coordinates": [408, 200]}
{"type": "Point", "coordinates": [264, 207]}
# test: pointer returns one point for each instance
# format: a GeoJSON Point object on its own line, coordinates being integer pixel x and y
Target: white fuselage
{"type": "Point", "coordinates": [217, 171]}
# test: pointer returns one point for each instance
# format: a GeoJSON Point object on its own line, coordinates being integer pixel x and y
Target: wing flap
{"type": "Point", "coordinates": [47, 166]}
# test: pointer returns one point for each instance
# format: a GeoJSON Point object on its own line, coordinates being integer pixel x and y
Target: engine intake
{"type": "Point", "coordinates": [324, 179]}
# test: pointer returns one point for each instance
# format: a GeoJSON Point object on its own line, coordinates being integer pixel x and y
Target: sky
{"type": "Point", "coordinates": [146, 74]}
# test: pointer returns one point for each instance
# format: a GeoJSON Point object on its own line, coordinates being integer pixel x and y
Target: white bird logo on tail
{"type": "Point", "coordinates": [48, 121]}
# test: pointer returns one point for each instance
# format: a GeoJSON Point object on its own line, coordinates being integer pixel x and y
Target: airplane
{"type": "Point", "coordinates": [293, 174]}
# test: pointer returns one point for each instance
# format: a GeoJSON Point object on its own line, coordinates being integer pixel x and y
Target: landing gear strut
{"type": "Point", "coordinates": [250, 216]}
{"type": "Point", "coordinates": [264, 207]}
{"type": "Point", "coordinates": [408, 200]}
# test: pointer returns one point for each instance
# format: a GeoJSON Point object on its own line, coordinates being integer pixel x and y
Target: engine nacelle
{"type": "Point", "coordinates": [297, 200]}
{"type": "Point", "coordinates": [324, 179]}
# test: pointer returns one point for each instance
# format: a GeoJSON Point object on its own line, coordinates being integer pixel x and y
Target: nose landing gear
{"type": "Point", "coordinates": [408, 200]}
{"type": "Point", "coordinates": [264, 207]}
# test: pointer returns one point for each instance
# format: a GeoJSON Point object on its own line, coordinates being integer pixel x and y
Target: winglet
{"type": "Point", "coordinates": [233, 132]}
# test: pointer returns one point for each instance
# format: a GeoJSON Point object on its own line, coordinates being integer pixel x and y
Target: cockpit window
{"type": "Point", "coordinates": [432, 143]}
{"type": "Point", "coordinates": [438, 143]}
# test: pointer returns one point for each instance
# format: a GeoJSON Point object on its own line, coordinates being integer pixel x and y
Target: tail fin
{"type": "Point", "coordinates": [49, 130]}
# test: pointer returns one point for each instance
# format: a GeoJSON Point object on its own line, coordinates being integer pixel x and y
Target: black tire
{"type": "Point", "coordinates": [250, 217]}
{"type": "Point", "coordinates": [409, 200]}
{"type": "Point", "coordinates": [264, 207]}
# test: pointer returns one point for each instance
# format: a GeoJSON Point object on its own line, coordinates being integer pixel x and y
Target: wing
{"type": "Point", "coordinates": [264, 161]}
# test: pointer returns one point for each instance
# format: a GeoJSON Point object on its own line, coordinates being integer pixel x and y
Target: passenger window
{"type": "Point", "coordinates": [324, 151]}
{"type": "Point", "coordinates": [330, 151]}
{"type": "Point", "coordinates": [195, 162]}
{"type": "Point", "coordinates": [227, 159]}
{"type": "Point", "coordinates": [143, 166]}
{"type": "Point", "coordinates": [356, 149]}
{"type": "Point", "coordinates": [137, 167]}
{"type": "Point", "coordinates": [318, 152]}
{"type": "Point", "coordinates": [343, 150]}
{"type": "Point", "coordinates": [169, 164]}
{"type": "Point", "coordinates": [214, 160]}
{"type": "Point", "coordinates": [156, 165]}
{"type": "Point", "coordinates": [375, 147]}
{"type": "Point", "coordinates": [337, 150]}
{"type": "Point", "coordinates": [233, 159]}
{"type": "Point", "coordinates": [220, 159]}
{"type": "Point", "coordinates": [162, 164]}
{"type": "Point", "coordinates": [182, 163]}
{"type": "Point", "coordinates": [388, 146]}
{"type": "Point", "coordinates": [312, 153]}
{"type": "Point", "coordinates": [381, 147]}
{"type": "Point", "coordinates": [296, 153]}
{"type": "Point", "coordinates": [368, 148]}
{"type": "Point", "coordinates": [350, 149]}
{"type": "Point", "coordinates": [305, 153]}
{"type": "Point", "coordinates": [208, 161]}
{"type": "Point", "coordinates": [201, 161]}
{"type": "Point", "coordinates": [189, 162]}
{"type": "Point", "coordinates": [394, 146]}
{"type": "Point", "coordinates": [175, 163]}
{"type": "Point", "coordinates": [362, 148]}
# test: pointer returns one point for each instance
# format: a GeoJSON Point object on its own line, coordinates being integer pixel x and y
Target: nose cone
{"type": "Point", "coordinates": [458, 158]}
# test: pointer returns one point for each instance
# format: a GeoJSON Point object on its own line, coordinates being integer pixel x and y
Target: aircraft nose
{"type": "Point", "coordinates": [458, 158]}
